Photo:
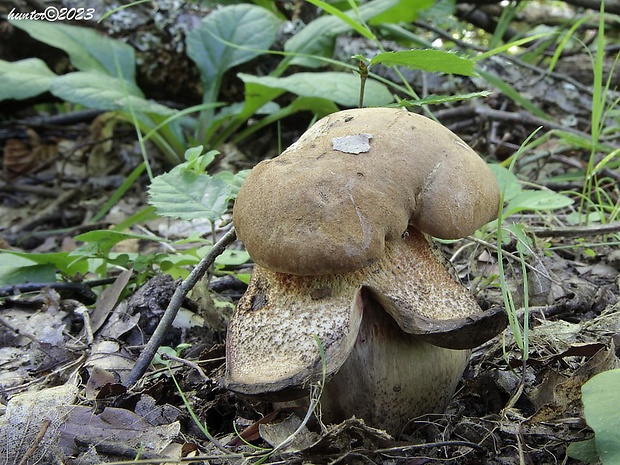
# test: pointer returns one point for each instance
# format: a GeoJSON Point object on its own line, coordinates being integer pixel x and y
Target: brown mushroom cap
{"type": "Point", "coordinates": [355, 180]}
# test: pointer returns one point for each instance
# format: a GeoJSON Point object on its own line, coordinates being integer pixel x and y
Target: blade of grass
{"type": "Point", "coordinates": [118, 193]}
{"type": "Point", "coordinates": [357, 27]}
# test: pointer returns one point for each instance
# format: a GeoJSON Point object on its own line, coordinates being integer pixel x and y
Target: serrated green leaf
{"type": "Point", "coordinates": [103, 241]}
{"type": "Point", "coordinates": [601, 398]}
{"type": "Point", "coordinates": [190, 196]}
{"type": "Point", "coordinates": [24, 79]}
{"type": "Point", "coordinates": [88, 50]}
{"type": "Point", "coordinates": [319, 36]}
{"type": "Point", "coordinates": [228, 37]}
{"type": "Point", "coordinates": [104, 92]}
{"type": "Point", "coordinates": [234, 181]}
{"type": "Point", "coordinates": [341, 88]}
{"type": "Point", "coordinates": [427, 60]}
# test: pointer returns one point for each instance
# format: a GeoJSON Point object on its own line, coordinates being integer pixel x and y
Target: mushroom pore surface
{"type": "Point", "coordinates": [357, 179]}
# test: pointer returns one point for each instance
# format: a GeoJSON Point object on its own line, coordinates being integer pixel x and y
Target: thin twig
{"type": "Point", "coordinates": [145, 358]}
{"type": "Point", "coordinates": [50, 211]}
{"type": "Point", "coordinates": [186, 362]}
{"type": "Point", "coordinates": [35, 445]}
{"type": "Point", "coordinates": [16, 330]}
{"type": "Point", "coordinates": [577, 231]}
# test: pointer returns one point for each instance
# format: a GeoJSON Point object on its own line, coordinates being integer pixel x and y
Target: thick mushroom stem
{"type": "Point", "coordinates": [391, 377]}
{"type": "Point", "coordinates": [271, 346]}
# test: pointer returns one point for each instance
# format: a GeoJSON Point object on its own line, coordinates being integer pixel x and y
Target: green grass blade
{"type": "Point", "coordinates": [357, 27]}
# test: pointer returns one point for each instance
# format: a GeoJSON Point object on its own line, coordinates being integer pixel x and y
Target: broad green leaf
{"type": "Point", "coordinates": [519, 199]}
{"type": "Point", "coordinates": [319, 36]}
{"type": "Point", "coordinates": [319, 106]}
{"type": "Point", "coordinates": [232, 257]}
{"type": "Point", "coordinates": [537, 200]}
{"type": "Point", "coordinates": [61, 261]}
{"type": "Point", "coordinates": [584, 451]}
{"type": "Point", "coordinates": [256, 96]}
{"type": "Point", "coordinates": [427, 60]}
{"type": "Point", "coordinates": [190, 196]}
{"type": "Point", "coordinates": [405, 11]}
{"type": "Point", "coordinates": [95, 90]}
{"type": "Point", "coordinates": [19, 270]}
{"type": "Point", "coordinates": [341, 88]}
{"type": "Point", "coordinates": [27, 274]}
{"type": "Point", "coordinates": [87, 49]}
{"type": "Point", "coordinates": [228, 37]}
{"type": "Point", "coordinates": [509, 184]}
{"type": "Point", "coordinates": [24, 79]}
{"type": "Point", "coordinates": [601, 397]}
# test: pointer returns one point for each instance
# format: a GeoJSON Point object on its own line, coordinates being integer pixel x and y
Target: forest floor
{"type": "Point", "coordinates": [65, 353]}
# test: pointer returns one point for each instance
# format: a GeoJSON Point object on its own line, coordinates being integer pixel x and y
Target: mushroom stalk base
{"type": "Point", "coordinates": [391, 377]}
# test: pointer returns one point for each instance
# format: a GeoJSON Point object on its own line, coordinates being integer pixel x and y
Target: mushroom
{"type": "Point", "coordinates": [338, 226]}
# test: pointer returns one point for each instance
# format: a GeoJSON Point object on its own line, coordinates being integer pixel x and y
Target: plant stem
{"type": "Point", "coordinates": [363, 76]}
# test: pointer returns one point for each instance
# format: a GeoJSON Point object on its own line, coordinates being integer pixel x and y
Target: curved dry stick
{"type": "Point", "coordinates": [145, 358]}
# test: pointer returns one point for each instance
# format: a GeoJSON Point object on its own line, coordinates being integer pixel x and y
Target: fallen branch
{"type": "Point", "coordinates": [145, 358]}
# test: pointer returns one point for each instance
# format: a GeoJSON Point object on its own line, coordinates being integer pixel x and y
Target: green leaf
{"type": "Point", "coordinates": [519, 199]}
{"type": "Point", "coordinates": [352, 23]}
{"type": "Point", "coordinates": [405, 11]}
{"type": "Point", "coordinates": [24, 79]}
{"type": "Point", "coordinates": [19, 270]}
{"type": "Point", "coordinates": [584, 451]}
{"type": "Point", "coordinates": [509, 184]}
{"type": "Point", "coordinates": [319, 36]}
{"type": "Point", "coordinates": [341, 88]}
{"type": "Point", "coordinates": [232, 257]}
{"type": "Point", "coordinates": [103, 92]}
{"type": "Point", "coordinates": [601, 398]}
{"type": "Point", "coordinates": [427, 60]}
{"type": "Point", "coordinates": [61, 261]}
{"type": "Point", "coordinates": [536, 201]}
{"type": "Point", "coordinates": [102, 241]}
{"type": "Point", "coordinates": [87, 49]}
{"type": "Point", "coordinates": [228, 37]}
{"type": "Point", "coordinates": [234, 181]}
{"type": "Point", "coordinates": [190, 196]}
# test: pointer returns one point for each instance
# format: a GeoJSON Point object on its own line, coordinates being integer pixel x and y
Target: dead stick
{"type": "Point", "coordinates": [578, 231]}
{"type": "Point", "coordinates": [44, 426]}
{"type": "Point", "coordinates": [163, 328]}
